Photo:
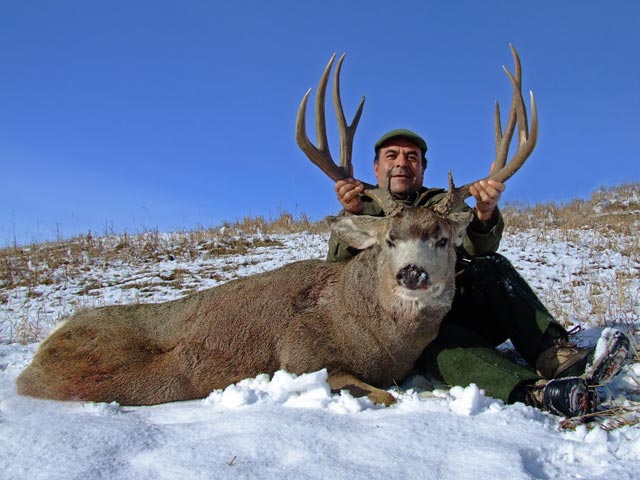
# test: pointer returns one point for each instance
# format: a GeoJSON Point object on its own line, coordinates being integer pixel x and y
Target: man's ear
{"type": "Point", "coordinates": [358, 231]}
{"type": "Point", "coordinates": [459, 223]}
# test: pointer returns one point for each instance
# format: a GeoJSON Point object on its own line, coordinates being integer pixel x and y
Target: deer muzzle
{"type": "Point", "coordinates": [413, 277]}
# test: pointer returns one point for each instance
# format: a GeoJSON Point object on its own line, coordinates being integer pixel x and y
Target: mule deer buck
{"type": "Point", "coordinates": [365, 320]}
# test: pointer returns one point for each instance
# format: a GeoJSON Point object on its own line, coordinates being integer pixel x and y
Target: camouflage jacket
{"type": "Point", "coordinates": [482, 237]}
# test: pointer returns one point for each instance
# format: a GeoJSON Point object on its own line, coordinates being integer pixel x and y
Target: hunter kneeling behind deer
{"type": "Point", "coordinates": [367, 318]}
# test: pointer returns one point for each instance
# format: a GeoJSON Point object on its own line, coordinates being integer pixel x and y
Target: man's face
{"type": "Point", "coordinates": [405, 158]}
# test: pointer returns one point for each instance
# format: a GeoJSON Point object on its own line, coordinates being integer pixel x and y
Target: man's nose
{"type": "Point", "coordinates": [401, 160]}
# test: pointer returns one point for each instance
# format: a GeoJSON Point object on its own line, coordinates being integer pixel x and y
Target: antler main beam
{"type": "Point", "coordinates": [320, 155]}
{"type": "Point", "coordinates": [527, 138]}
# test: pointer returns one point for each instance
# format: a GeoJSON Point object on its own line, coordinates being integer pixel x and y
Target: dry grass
{"type": "Point", "coordinates": [605, 225]}
{"type": "Point", "coordinates": [612, 216]}
{"type": "Point", "coordinates": [607, 419]}
{"type": "Point", "coordinates": [612, 211]}
{"type": "Point", "coordinates": [55, 262]}
{"type": "Point", "coordinates": [284, 223]}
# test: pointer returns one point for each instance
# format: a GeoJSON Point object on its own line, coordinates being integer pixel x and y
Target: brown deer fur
{"type": "Point", "coordinates": [353, 318]}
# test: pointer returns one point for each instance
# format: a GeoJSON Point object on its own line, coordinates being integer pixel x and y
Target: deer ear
{"type": "Point", "coordinates": [459, 223]}
{"type": "Point", "coordinates": [358, 231]}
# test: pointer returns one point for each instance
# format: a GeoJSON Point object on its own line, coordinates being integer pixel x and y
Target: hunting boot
{"type": "Point", "coordinates": [568, 397]}
{"type": "Point", "coordinates": [597, 364]}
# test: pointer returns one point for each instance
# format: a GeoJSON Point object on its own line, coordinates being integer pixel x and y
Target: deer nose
{"type": "Point", "coordinates": [413, 277]}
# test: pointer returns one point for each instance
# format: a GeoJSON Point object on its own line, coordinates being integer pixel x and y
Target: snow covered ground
{"type": "Point", "coordinates": [288, 427]}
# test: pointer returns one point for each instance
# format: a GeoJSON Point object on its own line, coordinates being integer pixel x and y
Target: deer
{"type": "Point", "coordinates": [365, 320]}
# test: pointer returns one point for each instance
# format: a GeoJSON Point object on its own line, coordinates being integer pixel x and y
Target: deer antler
{"type": "Point", "coordinates": [527, 138]}
{"type": "Point", "coordinates": [320, 155]}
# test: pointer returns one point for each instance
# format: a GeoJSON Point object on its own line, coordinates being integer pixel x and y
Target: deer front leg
{"type": "Point", "coordinates": [310, 345]}
{"type": "Point", "coordinates": [340, 380]}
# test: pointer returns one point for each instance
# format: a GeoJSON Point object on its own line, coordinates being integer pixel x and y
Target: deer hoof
{"type": "Point", "coordinates": [380, 396]}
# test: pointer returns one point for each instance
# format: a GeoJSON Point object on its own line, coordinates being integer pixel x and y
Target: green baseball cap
{"type": "Point", "coordinates": [402, 133]}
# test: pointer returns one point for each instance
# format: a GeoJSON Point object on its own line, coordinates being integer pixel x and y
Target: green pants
{"type": "Point", "coordinates": [492, 304]}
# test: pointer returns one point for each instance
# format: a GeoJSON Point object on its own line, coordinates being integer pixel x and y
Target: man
{"type": "Point", "coordinates": [492, 302]}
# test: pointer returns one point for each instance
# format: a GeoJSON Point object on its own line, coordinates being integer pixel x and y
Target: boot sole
{"type": "Point", "coordinates": [610, 355]}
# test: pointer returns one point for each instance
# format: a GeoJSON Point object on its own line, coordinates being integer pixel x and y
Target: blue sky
{"type": "Point", "coordinates": [135, 115]}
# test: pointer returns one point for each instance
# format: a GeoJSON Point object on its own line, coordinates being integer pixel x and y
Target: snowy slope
{"type": "Point", "coordinates": [289, 427]}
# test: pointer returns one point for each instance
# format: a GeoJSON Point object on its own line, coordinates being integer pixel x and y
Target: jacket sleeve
{"type": "Point", "coordinates": [483, 237]}
{"type": "Point", "coordinates": [338, 250]}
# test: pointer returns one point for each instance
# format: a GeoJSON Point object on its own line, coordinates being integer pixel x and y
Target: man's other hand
{"type": "Point", "coordinates": [348, 192]}
{"type": "Point", "coordinates": [487, 194]}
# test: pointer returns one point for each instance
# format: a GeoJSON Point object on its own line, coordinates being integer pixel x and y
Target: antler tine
{"type": "Point", "coordinates": [527, 139]}
{"type": "Point", "coordinates": [321, 94]}
{"type": "Point", "coordinates": [347, 132]}
{"type": "Point", "coordinates": [523, 127]}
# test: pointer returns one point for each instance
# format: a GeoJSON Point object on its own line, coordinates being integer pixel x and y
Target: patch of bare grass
{"type": "Point", "coordinates": [606, 225]}
{"type": "Point", "coordinates": [614, 210]}
{"type": "Point", "coordinates": [284, 223]}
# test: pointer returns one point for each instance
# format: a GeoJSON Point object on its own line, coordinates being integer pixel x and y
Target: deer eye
{"type": "Point", "coordinates": [443, 242]}
{"type": "Point", "coordinates": [390, 242]}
